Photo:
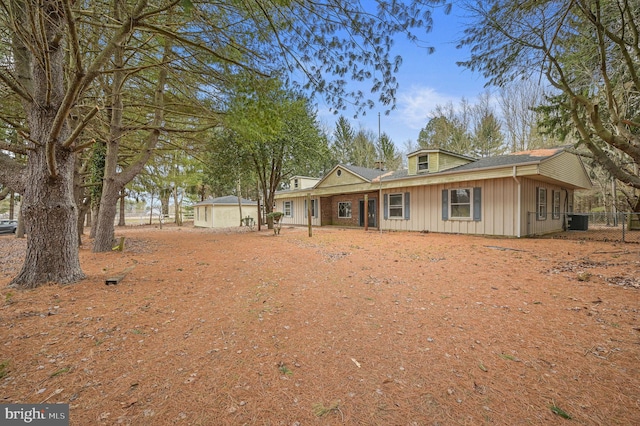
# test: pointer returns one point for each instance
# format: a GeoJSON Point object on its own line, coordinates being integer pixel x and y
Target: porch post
{"type": "Point", "coordinates": [309, 213]}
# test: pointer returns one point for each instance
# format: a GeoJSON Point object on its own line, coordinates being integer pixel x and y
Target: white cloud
{"type": "Point", "coordinates": [415, 105]}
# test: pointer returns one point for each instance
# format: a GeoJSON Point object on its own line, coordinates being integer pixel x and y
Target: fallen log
{"type": "Point", "coordinates": [117, 278]}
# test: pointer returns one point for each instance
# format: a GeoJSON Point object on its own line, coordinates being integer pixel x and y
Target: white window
{"type": "Point", "coordinates": [423, 163]}
{"type": "Point", "coordinates": [396, 204]}
{"type": "Point", "coordinates": [198, 213]}
{"type": "Point", "coordinates": [344, 209]}
{"type": "Point", "coordinates": [555, 212]}
{"type": "Point", "coordinates": [541, 204]}
{"type": "Point", "coordinates": [460, 203]}
{"type": "Point", "coordinates": [287, 208]}
{"type": "Point", "coordinates": [205, 213]}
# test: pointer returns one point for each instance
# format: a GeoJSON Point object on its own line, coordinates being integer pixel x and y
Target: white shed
{"type": "Point", "coordinates": [223, 212]}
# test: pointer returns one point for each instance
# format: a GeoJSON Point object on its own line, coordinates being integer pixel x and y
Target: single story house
{"type": "Point", "coordinates": [442, 191]}
{"type": "Point", "coordinates": [223, 212]}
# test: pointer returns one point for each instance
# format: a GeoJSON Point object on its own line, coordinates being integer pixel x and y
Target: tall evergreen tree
{"type": "Point", "coordinates": [388, 153]}
{"type": "Point", "coordinates": [587, 51]}
{"type": "Point", "coordinates": [342, 143]}
{"type": "Point", "coordinates": [363, 152]}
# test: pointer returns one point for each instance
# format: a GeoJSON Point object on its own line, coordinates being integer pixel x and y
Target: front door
{"type": "Point", "coordinates": [372, 213]}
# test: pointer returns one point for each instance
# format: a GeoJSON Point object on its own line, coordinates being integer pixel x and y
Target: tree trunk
{"type": "Point", "coordinates": [80, 223]}
{"type": "Point", "coordinates": [84, 216]}
{"type": "Point", "coordinates": [83, 201]}
{"type": "Point", "coordinates": [12, 205]}
{"type": "Point", "coordinates": [239, 199]}
{"type": "Point", "coordinates": [121, 220]}
{"type": "Point", "coordinates": [49, 209]}
{"type": "Point", "coordinates": [165, 196]}
{"type": "Point", "coordinates": [105, 233]}
{"type": "Point", "coordinates": [113, 181]}
{"type": "Point", "coordinates": [177, 203]}
{"type": "Point", "coordinates": [106, 218]}
{"type": "Point", "coordinates": [151, 210]}
{"type": "Point", "coordinates": [48, 204]}
{"type": "Point", "coordinates": [20, 228]}
{"type": "Point", "coordinates": [95, 213]}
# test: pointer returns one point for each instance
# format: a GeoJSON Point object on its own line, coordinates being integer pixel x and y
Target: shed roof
{"type": "Point", "coordinates": [228, 199]}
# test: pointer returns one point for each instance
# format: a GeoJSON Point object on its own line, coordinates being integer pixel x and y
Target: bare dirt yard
{"type": "Point", "coordinates": [347, 327]}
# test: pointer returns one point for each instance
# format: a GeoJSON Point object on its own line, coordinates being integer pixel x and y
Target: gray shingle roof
{"type": "Point", "coordinates": [514, 159]}
{"type": "Point", "coordinates": [368, 174]}
{"type": "Point", "coordinates": [517, 158]}
{"type": "Point", "coordinates": [524, 157]}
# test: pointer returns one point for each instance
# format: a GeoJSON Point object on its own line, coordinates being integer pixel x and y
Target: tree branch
{"type": "Point", "coordinates": [73, 37]}
{"type": "Point", "coordinates": [599, 155]}
{"type": "Point", "coordinates": [79, 148]}
{"type": "Point", "coordinates": [15, 87]}
{"type": "Point", "coordinates": [85, 121]}
{"type": "Point", "coordinates": [81, 80]}
{"type": "Point", "coordinates": [12, 173]}
{"type": "Point", "coordinates": [13, 148]}
{"type": "Point", "coordinates": [199, 46]}
{"type": "Point", "coordinates": [152, 139]}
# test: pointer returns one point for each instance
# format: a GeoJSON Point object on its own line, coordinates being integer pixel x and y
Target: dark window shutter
{"type": "Point", "coordinates": [445, 204]}
{"type": "Point", "coordinates": [314, 203]}
{"type": "Point", "coordinates": [407, 204]}
{"type": "Point", "coordinates": [477, 203]}
{"type": "Point", "coordinates": [386, 206]}
{"type": "Point", "coordinates": [537, 209]}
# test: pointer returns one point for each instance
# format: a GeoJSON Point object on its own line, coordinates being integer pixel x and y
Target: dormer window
{"type": "Point", "coordinates": [295, 183]}
{"type": "Point", "coordinates": [423, 163]}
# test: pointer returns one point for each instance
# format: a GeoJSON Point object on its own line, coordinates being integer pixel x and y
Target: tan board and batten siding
{"type": "Point", "coordinates": [498, 213]}
{"type": "Point", "coordinates": [210, 214]}
{"type": "Point", "coordinates": [299, 215]}
{"type": "Point", "coordinates": [508, 192]}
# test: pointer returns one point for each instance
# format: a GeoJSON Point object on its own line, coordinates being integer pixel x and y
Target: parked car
{"type": "Point", "coordinates": [8, 226]}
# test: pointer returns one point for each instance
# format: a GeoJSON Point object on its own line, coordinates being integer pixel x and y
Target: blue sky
{"type": "Point", "coordinates": [426, 80]}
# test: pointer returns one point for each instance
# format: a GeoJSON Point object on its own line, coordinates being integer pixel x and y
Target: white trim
{"type": "Point", "coordinates": [350, 209]}
{"type": "Point", "coordinates": [401, 206]}
{"type": "Point", "coordinates": [284, 208]}
{"type": "Point", "coordinates": [539, 191]}
{"type": "Point", "coordinates": [469, 203]}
